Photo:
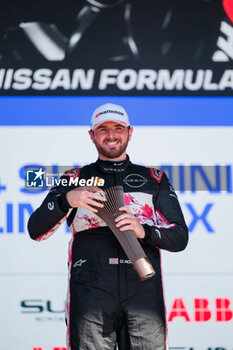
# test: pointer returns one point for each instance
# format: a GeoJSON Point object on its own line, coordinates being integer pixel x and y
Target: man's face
{"type": "Point", "coordinates": [111, 140]}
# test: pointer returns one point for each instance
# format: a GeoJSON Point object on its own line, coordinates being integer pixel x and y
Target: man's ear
{"type": "Point", "coordinates": [130, 133]}
{"type": "Point", "coordinates": [91, 133]}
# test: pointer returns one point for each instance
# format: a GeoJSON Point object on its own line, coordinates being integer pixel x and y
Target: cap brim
{"type": "Point", "coordinates": [110, 120]}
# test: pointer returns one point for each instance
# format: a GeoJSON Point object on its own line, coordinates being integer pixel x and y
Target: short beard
{"type": "Point", "coordinates": [112, 154]}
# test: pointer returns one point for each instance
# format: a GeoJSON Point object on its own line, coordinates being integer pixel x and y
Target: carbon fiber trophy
{"type": "Point", "coordinates": [127, 239]}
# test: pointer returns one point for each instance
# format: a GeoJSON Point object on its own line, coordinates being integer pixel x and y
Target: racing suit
{"type": "Point", "coordinates": [106, 302]}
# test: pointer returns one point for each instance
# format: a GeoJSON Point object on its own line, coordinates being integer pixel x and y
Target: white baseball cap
{"type": "Point", "coordinates": [109, 112]}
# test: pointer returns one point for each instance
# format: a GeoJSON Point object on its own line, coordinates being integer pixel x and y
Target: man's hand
{"type": "Point", "coordinates": [85, 197]}
{"type": "Point", "coordinates": [130, 222]}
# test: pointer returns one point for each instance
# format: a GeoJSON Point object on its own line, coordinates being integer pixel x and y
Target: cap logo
{"type": "Point", "coordinates": [109, 111]}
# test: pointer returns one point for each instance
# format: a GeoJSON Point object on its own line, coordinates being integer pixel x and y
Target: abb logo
{"type": "Point", "coordinates": [202, 312]}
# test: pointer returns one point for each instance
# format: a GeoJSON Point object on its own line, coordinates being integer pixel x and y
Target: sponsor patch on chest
{"type": "Point", "coordinates": [135, 180]}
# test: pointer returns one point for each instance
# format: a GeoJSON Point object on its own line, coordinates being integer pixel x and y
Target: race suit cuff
{"type": "Point", "coordinates": [63, 203]}
{"type": "Point", "coordinates": [147, 230]}
{"type": "Point", "coordinates": [152, 235]}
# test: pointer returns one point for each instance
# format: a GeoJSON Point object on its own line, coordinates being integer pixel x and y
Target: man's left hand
{"type": "Point", "coordinates": [129, 222]}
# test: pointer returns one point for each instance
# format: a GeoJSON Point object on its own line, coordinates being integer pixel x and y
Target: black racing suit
{"type": "Point", "coordinates": [107, 303]}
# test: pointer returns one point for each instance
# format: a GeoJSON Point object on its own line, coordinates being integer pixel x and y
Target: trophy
{"type": "Point", "coordinates": [127, 239]}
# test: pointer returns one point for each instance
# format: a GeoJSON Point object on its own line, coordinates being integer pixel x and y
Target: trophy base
{"type": "Point", "coordinates": [144, 269]}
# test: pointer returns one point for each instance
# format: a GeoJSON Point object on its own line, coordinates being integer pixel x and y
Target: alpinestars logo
{"type": "Point", "coordinates": [79, 262]}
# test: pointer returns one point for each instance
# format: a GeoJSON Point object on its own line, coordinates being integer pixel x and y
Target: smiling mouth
{"type": "Point", "coordinates": [111, 144]}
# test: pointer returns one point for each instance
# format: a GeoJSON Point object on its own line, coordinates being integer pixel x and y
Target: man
{"type": "Point", "coordinates": [107, 303]}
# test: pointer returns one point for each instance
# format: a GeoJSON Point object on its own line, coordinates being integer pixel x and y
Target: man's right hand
{"type": "Point", "coordinates": [85, 197]}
